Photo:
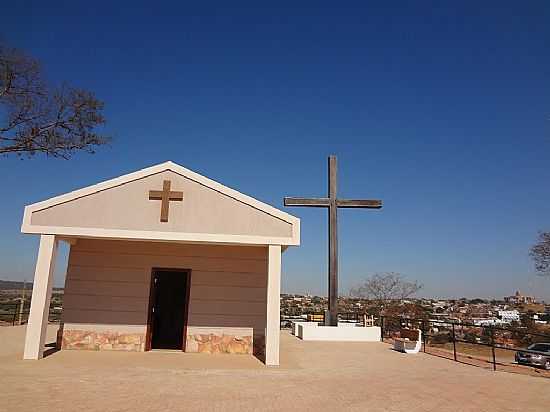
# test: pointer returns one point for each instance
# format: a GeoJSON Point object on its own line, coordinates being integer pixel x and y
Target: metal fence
{"type": "Point", "coordinates": [439, 334]}
{"type": "Point", "coordinates": [465, 342]}
{"type": "Point", "coordinates": [14, 314]}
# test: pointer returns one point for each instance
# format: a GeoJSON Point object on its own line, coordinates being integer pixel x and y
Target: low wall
{"type": "Point", "coordinates": [339, 333]}
{"type": "Point", "coordinates": [304, 323]}
{"type": "Point", "coordinates": [308, 324]}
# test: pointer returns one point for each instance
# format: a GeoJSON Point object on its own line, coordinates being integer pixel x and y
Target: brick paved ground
{"type": "Point", "coordinates": [320, 376]}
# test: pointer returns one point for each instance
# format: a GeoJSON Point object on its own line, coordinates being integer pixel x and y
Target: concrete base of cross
{"type": "Point", "coordinates": [344, 332]}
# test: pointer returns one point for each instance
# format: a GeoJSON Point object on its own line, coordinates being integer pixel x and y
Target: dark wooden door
{"type": "Point", "coordinates": [168, 311]}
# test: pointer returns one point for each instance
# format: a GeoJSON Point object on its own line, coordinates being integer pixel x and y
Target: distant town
{"type": "Point", "coordinates": [515, 310]}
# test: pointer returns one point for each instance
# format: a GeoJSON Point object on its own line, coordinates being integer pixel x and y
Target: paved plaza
{"type": "Point", "coordinates": [313, 376]}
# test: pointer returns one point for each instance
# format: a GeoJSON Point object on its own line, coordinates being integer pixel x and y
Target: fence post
{"type": "Point", "coordinates": [493, 347]}
{"type": "Point", "coordinates": [381, 328]}
{"type": "Point", "coordinates": [454, 341]}
{"type": "Point", "coordinates": [15, 311]}
{"type": "Point", "coordinates": [424, 334]}
{"type": "Point", "coordinates": [22, 300]}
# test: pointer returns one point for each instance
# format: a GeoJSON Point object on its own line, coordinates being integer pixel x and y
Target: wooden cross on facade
{"type": "Point", "coordinates": [332, 203]}
{"type": "Point", "coordinates": [165, 195]}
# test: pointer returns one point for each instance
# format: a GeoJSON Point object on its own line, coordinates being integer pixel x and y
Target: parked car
{"type": "Point", "coordinates": [538, 355]}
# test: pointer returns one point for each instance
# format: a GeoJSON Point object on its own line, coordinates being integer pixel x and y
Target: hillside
{"type": "Point", "coordinates": [16, 285]}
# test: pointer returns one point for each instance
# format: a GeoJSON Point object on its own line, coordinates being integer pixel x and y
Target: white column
{"type": "Point", "coordinates": [273, 306]}
{"type": "Point", "coordinates": [41, 294]}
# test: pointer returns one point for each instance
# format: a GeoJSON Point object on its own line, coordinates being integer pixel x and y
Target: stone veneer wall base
{"type": "Point", "coordinates": [199, 340]}
{"type": "Point", "coordinates": [102, 340]}
{"type": "Point", "coordinates": [220, 340]}
{"type": "Point", "coordinates": [214, 343]}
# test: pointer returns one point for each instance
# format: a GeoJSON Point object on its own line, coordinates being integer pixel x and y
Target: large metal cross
{"type": "Point", "coordinates": [332, 203]}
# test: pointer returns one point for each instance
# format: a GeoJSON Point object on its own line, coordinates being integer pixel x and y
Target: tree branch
{"type": "Point", "coordinates": [56, 123]}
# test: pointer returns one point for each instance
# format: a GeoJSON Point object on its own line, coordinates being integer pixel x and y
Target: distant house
{"type": "Point", "coordinates": [509, 315]}
{"type": "Point", "coordinates": [488, 322]}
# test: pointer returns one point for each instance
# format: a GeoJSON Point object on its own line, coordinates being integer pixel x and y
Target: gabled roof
{"type": "Point", "coordinates": [71, 231]}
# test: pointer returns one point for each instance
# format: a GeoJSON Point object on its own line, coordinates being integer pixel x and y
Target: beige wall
{"type": "Point", "coordinates": [127, 207]}
{"type": "Point", "coordinates": [108, 282]}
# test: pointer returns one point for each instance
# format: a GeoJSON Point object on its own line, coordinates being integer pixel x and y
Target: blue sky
{"type": "Point", "coordinates": [442, 110]}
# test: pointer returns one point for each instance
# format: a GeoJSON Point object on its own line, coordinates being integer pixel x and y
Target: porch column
{"type": "Point", "coordinates": [273, 306]}
{"type": "Point", "coordinates": [41, 294]}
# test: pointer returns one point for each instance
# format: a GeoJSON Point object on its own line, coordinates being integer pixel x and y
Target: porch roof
{"type": "Point", "coordinates": [122, 208]}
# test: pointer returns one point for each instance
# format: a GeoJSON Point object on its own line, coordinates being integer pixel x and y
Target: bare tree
{"type": "Point", "coordinates": [37, 120]}
{"type": "Point", "coordinates": [540, 252]}
{"type": "Point", "coordinates": [386, 286]}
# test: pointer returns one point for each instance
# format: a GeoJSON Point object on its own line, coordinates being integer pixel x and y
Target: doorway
{"type": "Point", "coordinates": [168, 308]}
